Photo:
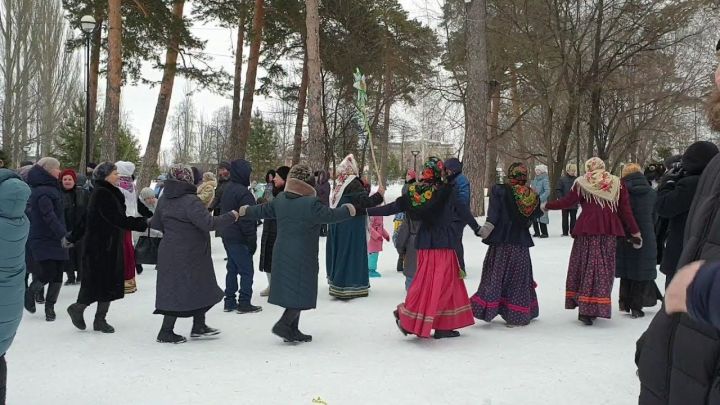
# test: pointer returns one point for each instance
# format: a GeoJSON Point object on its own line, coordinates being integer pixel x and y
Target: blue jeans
{"type": "Point", "coordinates": [239, 264]}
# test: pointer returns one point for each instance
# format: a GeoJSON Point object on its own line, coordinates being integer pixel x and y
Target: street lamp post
{"type": "Point", "coordinates": [88, 26]}
{"type": "Point", "coordinates": [415, 154]}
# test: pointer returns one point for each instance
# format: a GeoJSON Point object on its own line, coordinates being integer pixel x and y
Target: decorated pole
{"type": "Point", "coordinates": [361, 105]}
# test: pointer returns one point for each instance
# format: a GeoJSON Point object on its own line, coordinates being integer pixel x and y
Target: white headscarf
{"type": "Point", "coordinates": [347, 171]}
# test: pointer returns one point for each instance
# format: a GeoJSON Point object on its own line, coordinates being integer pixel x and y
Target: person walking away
{"type": "Point", "coordinates": [322, 187]}
{"type": "Point", "coordinates": [186, 285]}
{"type": "Point", "coordinates": [206, 190]}
{"type": "Point", "coordinates": [240, 240]}
{"type": "Point", "coordinates": [636, 268]}
{"type": "Point", "coordinates": [564, 187]}
{"type": "Point", "coordinates": [661, 224]}
{"type": "Point", "coordinates": [75, 210]}
{"type": "Point", "coordinates": [375, 242]}
{"type": "Point", "coordinates": [346, 260]}
{"type": "Point", "coordinates": [126, 183]}
{"type": "Point", "coordinates": [298, 213]}
{"type": "Point", "coordinates": [541, 185]}
{"type": "Point", "coordinates": [674, 197]}
{"type": "Point", "coordinates": [507, 287]}
{"type": "Point", "coordinates": [606, 215]}
{"type": "Point", "coordinates": [47, 238]}
{"type": "Point", "coordinates": [103, 272]}
{"type": "Point", "coordinates": [14, 229]}
{"type": "Point", "coordinates": [437, 299]}
{"type": "Point", "coordinates": [405, 246]}
{"type": "Point", "coordinates": [461, 185]}
{"type": "Point", "coordinates": [269, 233]}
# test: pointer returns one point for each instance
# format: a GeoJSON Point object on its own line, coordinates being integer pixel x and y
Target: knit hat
{"type": "Point", "coordinates": [697, 156]}
{"type": "Point", "coordinates": [453, 164]}
{"type": "Point", "coordinates": [69, 172]}
{"type": "Point", "coordinates": [103, 170]}
{"type": "Point", "coordinates": [302, 173]}
{"type": "Point", "coordinates": [181, 172]}
{"type": "Point", "coordinates": [283, 172]}
{"type": "Point", "coordinates": [125, 169]}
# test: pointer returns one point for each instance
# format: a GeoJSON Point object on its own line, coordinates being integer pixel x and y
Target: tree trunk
{"type": "Point", "coordinates": [240, 145]}
{"type": "Point", "coordinates": [595, 92]}
{"type": "Point", "coordinates": [114, 81]}
{"type": "Point", "coordinates": [237, 85]}
{"type": "Point", "coordinates": [384, 136]}
{"type": "Point", "coordinates": [149, 161]}
{"type": "Point", "coordinates": [315, 123]}
{"type": "Point", "coordinates": [94, 79]}
{"type": "Point", "coordinates": [302, 102]}
{"type": "Point", "coordinates": [493, 141]}
{"type": "Point", "coordinates": [477, 103]}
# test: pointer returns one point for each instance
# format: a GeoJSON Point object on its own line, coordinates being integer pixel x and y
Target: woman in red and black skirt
{"type": "Point", "coordinates": [437, 299]}
{"type": "Point", "coordinates": [606, 215]}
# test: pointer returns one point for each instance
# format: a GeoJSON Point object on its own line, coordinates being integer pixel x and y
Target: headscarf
{"type": "Point", "coordinates": [347, 171]}
{"type": "Point", "coordinates": [524, 197]}
{"type": "Point", "coordinates": [599, 185]}
{"type": "Point", "coordinates": [543, 169]}
{"type": "Point", "coordinates": [126, 170]}
{"type": "Point", "coordinates": [103, 170]}
{"type": "Point", "coordinates": [181, 172]}
{"type": "Point", "coordinates": [425, 189]}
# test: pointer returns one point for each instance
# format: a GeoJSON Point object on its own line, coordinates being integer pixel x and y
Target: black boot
{"type": "Point", "coordinates": [637, 313]}
{"type": "Point", "coordinates": [167, 335]}
{"type": "Point", "coordinates": [40, 294]}
{"type": "Point", "coordinates": [284, 326]}
{"type": "Point", "coordinates": [200, 328]}
{"type": "Point", "coordinates": [400, 264]}
{"type": "Point", "coordinates": [30, 294]}
{"type": "Point", "coordinates": [543, 231]}
{"type": "Point", "coordinates": [299, 336]}
{"type": "Point", "coordinates": [586, 320]}
{"type": "Point", "coordinates": [76, 312]}
{"type": "Point", "coordinates": [139, 268]}
{"type": "Point", "coordinates": [70, 277]}
{"type": "Point", "coordinates": [100, 324]}
{"type": "Point", "coordinates": [443, 334]}
{"type": "Point", "coordinates": [52, 295]}
{"type": "Point", "coordinates": [397, 322]}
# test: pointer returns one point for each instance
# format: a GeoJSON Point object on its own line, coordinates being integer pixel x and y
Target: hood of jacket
{"type": "Point", "coordinates": [697, 156]}
{"type": "Point", "coordinates": [14, 194]}
{"type": "Point", "coordinates": [37, 176]}
{"type": "Point", "coordinates": [240, 170]}
{"type": "Point", "coordinates": [637, 184]}
{"type": "Point", "coordinates": [176, 189]}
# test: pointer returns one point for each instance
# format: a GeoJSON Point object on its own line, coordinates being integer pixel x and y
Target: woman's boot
{"type": "Point", "coordinates": [53, 293]}
{"type": "Point", "coordinates": [100, 324]}
{"type": "Point", "coordinates": [76, 312]}
{"type": "Point", "coordinates": [167, 335]}
{"type": "Point", "coordinates": [200, 328]}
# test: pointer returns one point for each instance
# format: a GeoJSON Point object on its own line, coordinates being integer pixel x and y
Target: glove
{"type": "Point", "coordinates": [636, 240]}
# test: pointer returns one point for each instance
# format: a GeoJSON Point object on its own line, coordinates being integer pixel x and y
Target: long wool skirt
{"type": "Point", "coordinates": [437, 298]}
{"type": "Point", "coordinates": [507, 287]}
{"type": "Point", "coordinates": [590, 277]}
{"type": "Point", "coordinates": [638, 294]}
{"type": "Point", "coordinates": [129, 256]}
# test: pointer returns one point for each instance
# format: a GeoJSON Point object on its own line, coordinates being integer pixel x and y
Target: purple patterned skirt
{"type": "Point", "coordinates": [507, 287]}
{"type": "Point", "coordinates": [590, 277]}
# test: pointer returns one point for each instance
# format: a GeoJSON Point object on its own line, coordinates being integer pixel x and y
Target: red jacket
{"type": "Point", "coordinates": [599, 220]}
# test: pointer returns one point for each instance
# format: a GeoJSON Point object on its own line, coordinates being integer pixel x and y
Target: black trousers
{"type": "Point", "coordinates": [540, 228]}
{"type": "Point", "coordinates": [49, 271]}
{"type": "Point", "coordinates": [568, 221]}
{"type": "Point", "coordinates": [73, 266]}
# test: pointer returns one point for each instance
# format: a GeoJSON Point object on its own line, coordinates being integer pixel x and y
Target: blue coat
{"type": "Point", "coordinates": [235, 194]}
{"type": "Point", "coordinates": [47, 216]}
{"type": "Point", "coordinates": [510, 227]}
{"type": "Point", "coordinates": [541, 185]}
{"type": "Point", "coordinates": [14, 228]}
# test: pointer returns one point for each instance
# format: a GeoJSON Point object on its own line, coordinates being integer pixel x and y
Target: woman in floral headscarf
{"type": "Point", "coordinates": [606, 215]}
{"type": "Point", "coordinates": [347, 258]}
{"type": "Point", "coordinates": [507, 287]}
{"type": "Point", "coordinates": [437, 298]}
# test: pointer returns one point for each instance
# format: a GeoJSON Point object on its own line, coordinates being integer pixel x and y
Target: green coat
{"type": "Point", "coordinates": [299, 215]}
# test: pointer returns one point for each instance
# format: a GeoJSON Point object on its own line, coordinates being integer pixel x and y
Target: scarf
{"type": "Point", "coordinates": [347, 171]}
{"type": "Point", "coordinates": [526, 200]}
{"type": "Point", "coordinates": [126, 183]}
{"type": "Point", "coordinates": [181, 172]}
{"type": "Point", "coordinates": [426, 188]}
{"type": "Point", "coordinates": [599, 186]}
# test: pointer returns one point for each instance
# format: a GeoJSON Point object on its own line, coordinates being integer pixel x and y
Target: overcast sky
{"type": "Point", "coordinates": [138, 102]}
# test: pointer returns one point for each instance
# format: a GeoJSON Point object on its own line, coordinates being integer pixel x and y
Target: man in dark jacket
{"type": "Point", "coordinates": [563, 188]}
{"type": "Point", "coordinates": [461, 186]}
{"type": "Point", "coordinates": [675, 195]}
{"type": "Point", "coordinates": [223, 177]}
{"type": "Point", "coordinates": [678, 358]}
{"type": "Point", "coordinates": [239, 239]}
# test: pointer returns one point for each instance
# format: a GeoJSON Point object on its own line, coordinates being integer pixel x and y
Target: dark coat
{"type": "Point", "coordinates": [673, 204]}
{"type": "Point", "coordinates": [299, 215]}
{"type": "Point", "coordinates": [564, 186]}
{"type": "Point", "coordinates": [186, 276]}
{"type": "Point", "coordinates": [703, 295]}
{"type": "Point", "coordinates": [215, 206]}
{"type": "Point", "coordinates": [103, 260]}
{"type": "Point", "coordinates": [405, 245]}
{"type": "Point", "coordinates": [639, 264]}
{"type": "Point", "coordinates": [510, 227]}
{"type": "Point", "coordinates": [267, 240]}
{"type": "Point", "coordinates": [75, 205]}
{"type": "Point", "coordinates": [323, 187]}
{"type": "Point", "coordinates": [235, 195]}
{"type": "Point", "coordinates": [47, 216]}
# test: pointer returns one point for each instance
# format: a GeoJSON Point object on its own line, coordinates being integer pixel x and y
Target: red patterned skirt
{"type": "Point", "coordinates": [129, 255]}
{"type": "Point", "coordinates": [590, 277]}
{"type": "Point", "coordinates": [437, 298]}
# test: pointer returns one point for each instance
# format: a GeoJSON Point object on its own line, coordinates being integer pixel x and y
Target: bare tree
{"type": "Point", "coordinates": [114, 81]}
{"type": "Point", "coordinates": [316, 151]}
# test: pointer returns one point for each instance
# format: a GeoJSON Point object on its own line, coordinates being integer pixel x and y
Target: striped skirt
{"type": "Point", "coordinates": [437, 298]}
{"type": "Point", "coordinates": [591, 274]}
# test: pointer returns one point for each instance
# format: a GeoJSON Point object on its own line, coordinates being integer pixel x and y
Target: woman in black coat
{"type": "Point", "coordinates": [75, 204]}
{"type": "Point", "coordinates": [103, 260]}
{"type": "Point", "coordinates": [636, 267]}
{"type": "Point", "coordinates": [269, 233]}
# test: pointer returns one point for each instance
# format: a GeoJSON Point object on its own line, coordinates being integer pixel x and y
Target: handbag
{"type": "Point", "coordinates": [146, 249]}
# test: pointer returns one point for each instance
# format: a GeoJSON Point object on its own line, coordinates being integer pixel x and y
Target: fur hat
{"type": "Point", "coordinates": [302, 173]}
{"type": "Point", "coordinates": [103, 170]}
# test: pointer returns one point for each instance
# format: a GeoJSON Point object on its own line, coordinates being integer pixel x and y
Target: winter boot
{"type": "Point", "coordinates": [444, 334]}
{"type": "Point", "coordinates": [400, 264]}
{"type": "Point", "coordinates": [200, 328]}
{"type": "Point", "coordinates": [543, 231]}
{"type": "Point", "coordinates": [247, 308]}
{"type": "Point", "coordinates": [284, 331]}
{"type": "Point", "coordinates": [374, 273]}
{"type": "Point", "coordinates": [637, 313]}
{"type": "Point", "coordinates": [586, 320]}
{"type": "Point", "coordinates": [100, 324]}
{"type": "Point", "coordinates": [139, 268]}
{"type": "Point", "coordinates": [52, 295]}
{"type": "Point", "coordinates": [34, 289]}
{"type": "Point", "coordinates": [167, 335]}
{"type": "Point", "coordinates": [397, 322]}
{"type": "Point", "coordinates": [299, 336]}
{"type": "Point", "coordinates": [230, 305]}
{"type": "Point", "coordinates": [266, 292]}
{"type": "Point", "coordinates": [70, 277]}
{"type": "Point", "coordinates": [76, 315]}
{"type": "Point", "coordinates": [40, 295]}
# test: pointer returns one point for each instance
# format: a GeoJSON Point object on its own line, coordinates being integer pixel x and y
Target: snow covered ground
{"type": "Point", "coordinates": [357, 355]}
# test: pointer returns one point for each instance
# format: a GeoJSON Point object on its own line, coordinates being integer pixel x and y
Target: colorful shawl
{"type": "Point", "coordinates": [425, 189]}
{"type": "Point", "coordinates": [525, 198]}
{"type": "Point", "coordinates": [598, 185]}
{"type": "Point", "coordinates": [181, 172]}
{"type": "Point", "coordinates": [346, 172]}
